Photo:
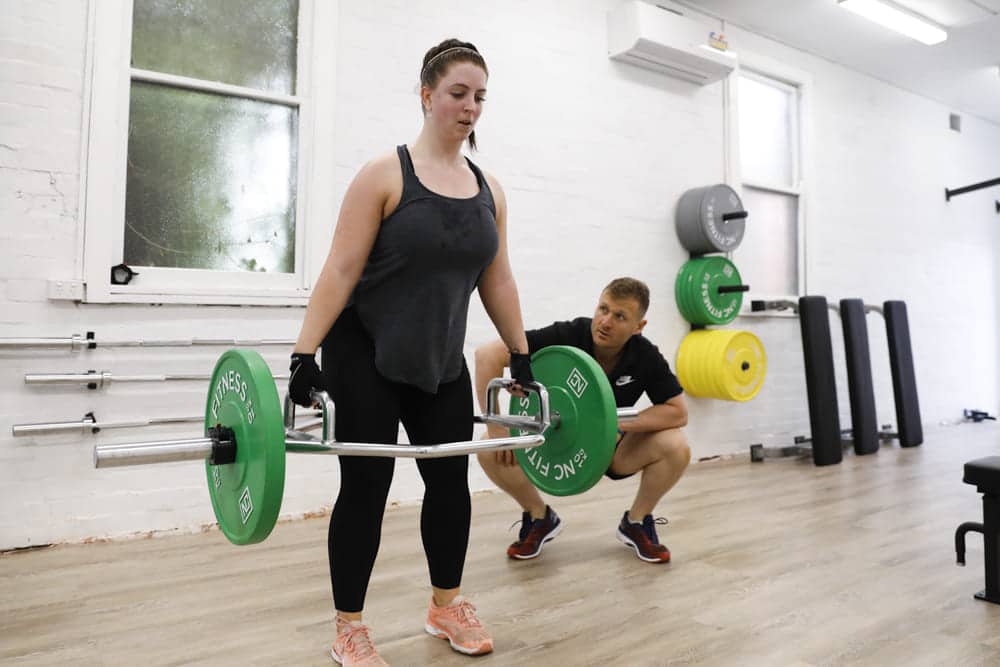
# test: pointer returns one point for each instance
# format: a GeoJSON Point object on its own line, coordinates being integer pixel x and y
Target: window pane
{"type": "Point", "coordinates": [211, 182]}
{"type": "Point", "coordinates": [248, 44]}
{"type": "Point", "coordinates": [765, 114]}
{"type": "Point", "coordinates": [768, 256]}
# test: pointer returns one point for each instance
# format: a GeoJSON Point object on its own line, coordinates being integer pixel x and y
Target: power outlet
{"type": "Point", "coordinates": [66, 290]}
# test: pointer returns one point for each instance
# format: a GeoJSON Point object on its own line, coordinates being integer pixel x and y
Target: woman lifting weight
{"type": "Point", "coordinates": [419, 229]}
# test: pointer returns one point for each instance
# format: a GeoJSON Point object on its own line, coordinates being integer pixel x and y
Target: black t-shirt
{"type": "Point", "coordinates": [641, 367]}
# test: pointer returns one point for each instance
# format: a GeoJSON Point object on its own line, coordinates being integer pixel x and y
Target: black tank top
{"type": "Point", "coordinates": [413, 296]}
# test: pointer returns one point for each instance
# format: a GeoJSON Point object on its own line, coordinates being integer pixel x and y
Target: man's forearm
{"type": "Point", "coordinates": [656, 418]}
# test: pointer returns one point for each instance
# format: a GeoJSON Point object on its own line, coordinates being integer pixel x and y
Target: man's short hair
{"type": "Point", "coordinates": [630, 288]}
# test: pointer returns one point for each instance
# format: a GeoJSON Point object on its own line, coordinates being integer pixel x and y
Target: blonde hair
{"type": "Point", "coordinates": [630, 288]}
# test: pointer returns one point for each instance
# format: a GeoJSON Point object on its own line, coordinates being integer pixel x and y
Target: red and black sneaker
{"type": "Point", "coordinates": [534, 534]}
{"type": "Point", "coordinates": [642, 537]}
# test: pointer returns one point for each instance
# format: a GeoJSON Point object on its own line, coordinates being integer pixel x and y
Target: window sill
{"type": "Point", "coordinates": [276, 297]}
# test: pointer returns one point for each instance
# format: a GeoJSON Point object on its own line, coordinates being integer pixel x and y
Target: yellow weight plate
{"type": "Point", "coordinates": [725, 364]}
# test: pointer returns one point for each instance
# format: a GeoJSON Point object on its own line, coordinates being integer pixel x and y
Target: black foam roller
{"type": "Point", "coordinates": [821, 385]}
{"type": "Point", "coordinates": [864, 422]}
{"type": "Point", "coordinates": [904, 383]}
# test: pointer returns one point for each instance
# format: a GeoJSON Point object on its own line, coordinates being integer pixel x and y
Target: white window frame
{"type": "Point", "coordinates": [105, 149]}
{"type": "Point", "coordinates": [751, 64]}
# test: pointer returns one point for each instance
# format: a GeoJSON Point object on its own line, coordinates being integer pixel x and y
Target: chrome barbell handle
{"type": "Point", "coordinates": [545, 417]}
{"type": "Point", "coordinates": [166, 451]}
{"type": "Point", "coordinates": [301, 443]}
{"type": "Point", "coordinates": [536, 424]}
{"type": "Point", "coordinates": [159, 451]}
{"type": "Point", "coordinates": [297, 441]}
{"type": "Point", "coordinates": [326, 407]}
{"type": "Point", "coordinates": [628, 414]}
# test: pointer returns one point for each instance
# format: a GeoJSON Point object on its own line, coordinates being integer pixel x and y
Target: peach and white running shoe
{"type": "Point", "coordinates": [459, 624]}
{"type": "Point", "coordinates": [354, 646]}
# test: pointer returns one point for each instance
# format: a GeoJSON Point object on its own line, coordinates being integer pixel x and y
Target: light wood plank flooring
{"type": "Point", "coordinates": [778, 563]}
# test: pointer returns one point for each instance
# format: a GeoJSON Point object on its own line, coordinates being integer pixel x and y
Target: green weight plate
{"type": "Point", "coordinates": [246, 494]}
{"type": "Point", "coordinates": [718, 308]}
{"type": "Point", "coordinates": [577, 450]}
{"type": "Point", "coordinates": [684, 291]}
{"type": "Point", "coordinates": [692, 309]}
{"type": "Point", "coordinates": [697, 291]}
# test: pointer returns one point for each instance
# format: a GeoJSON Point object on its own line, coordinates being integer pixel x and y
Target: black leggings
{"type": "Point", "coordinates": [369, 409]}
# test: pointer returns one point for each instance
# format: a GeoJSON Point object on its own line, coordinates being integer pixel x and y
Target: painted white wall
{"type": "Point", "coordinates": [593, 155]}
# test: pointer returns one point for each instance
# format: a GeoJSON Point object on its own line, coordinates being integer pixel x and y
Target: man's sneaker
{"type": "Point", "coordinates": [642, 538]}
{"type": "Point", "coordinates": [459, 624]}
{"type": "Point", "coordinates": [534, 534]}
{"type": "Point", "coordinates": [354, 646]}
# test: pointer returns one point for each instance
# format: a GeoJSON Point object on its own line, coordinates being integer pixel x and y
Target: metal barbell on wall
{"type": "Point", "coordinates": [90, 342]}
{"type": "Point", "coordinates": [99, 379]}
{"type": "Point", "coordinates": [89, 422]}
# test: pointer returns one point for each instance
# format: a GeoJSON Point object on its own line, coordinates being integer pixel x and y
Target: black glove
{"type": "Point", "coordinates": [305, 378]}
{"type": "Point", "coordinates": [520, 368]}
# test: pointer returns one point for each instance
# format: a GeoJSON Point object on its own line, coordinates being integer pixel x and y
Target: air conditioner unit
{"type": "Point", "coordinates": [666, 42]}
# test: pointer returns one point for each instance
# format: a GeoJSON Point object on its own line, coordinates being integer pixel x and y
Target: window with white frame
{"type": "Point", "coordinates": [769, 128]}
{"type": "Point", "coordinates": [198, 162]}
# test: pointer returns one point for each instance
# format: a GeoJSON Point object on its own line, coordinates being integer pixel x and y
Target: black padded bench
{"type": "Point", "coordinates": [985, 475]}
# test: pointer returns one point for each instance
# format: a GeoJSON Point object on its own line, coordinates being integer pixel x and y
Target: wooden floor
{"type": "Point", "coordinates": [777, 563]}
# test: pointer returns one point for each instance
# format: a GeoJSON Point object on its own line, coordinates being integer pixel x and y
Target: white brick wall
{"type": "Point", "coordinates": [593, 156]}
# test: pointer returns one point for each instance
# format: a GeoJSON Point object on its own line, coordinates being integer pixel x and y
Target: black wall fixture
{"type": "Point", "coordinates": [948, 194]}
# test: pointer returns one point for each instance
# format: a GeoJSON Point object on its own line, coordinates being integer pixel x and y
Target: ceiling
{"type": "Point", "coordinates": [963, 72]}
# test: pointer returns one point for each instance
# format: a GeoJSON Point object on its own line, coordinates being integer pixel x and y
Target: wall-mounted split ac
{"type": "Point", "coordinates": [663, 41]}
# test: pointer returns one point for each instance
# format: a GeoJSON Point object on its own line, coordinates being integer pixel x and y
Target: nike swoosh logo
{"type": "Point", "coordinates": [624, 380]}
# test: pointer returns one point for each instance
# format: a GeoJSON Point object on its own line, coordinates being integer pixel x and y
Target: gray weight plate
{"type": "Point", "coordinates": [710, 219]}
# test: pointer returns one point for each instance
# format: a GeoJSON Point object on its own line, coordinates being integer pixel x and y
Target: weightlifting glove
{"type": "Point", "coordinates": [520, 368]}
{"type": "Point", "coordinates": [305, 378]}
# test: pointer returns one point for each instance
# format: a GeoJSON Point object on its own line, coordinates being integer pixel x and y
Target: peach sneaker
{"type": "Point", "coordinates": [354, 646]}
{"type": "Point", "coordinates": [458, 623]}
